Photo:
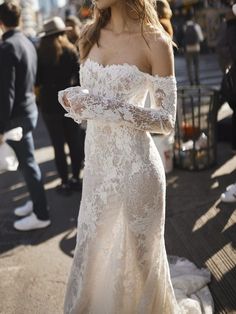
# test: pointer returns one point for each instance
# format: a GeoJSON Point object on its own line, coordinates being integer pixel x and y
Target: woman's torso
{"type": "Point", "coordinates": [120, 70]}
{"type": "Point", "coordinates": [109, 143]}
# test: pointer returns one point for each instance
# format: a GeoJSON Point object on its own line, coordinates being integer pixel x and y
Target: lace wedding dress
{"type": "Point", "coordinates": [120, 264]}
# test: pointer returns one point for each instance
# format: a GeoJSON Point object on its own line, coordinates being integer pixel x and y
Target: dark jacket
{"type": "Point", "coordinates": [52, 78]}
{"type": "Point", "coordinates": [228, 85]}
{"type": "Point", "coordinates": [18, 67]}
{"type": "Point", "coordinates": [231, 37]}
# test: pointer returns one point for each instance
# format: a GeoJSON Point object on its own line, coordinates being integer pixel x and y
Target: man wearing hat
{"type": "Point", "coordinates": [18, 64]}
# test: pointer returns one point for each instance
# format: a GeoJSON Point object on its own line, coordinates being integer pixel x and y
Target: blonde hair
{"type": "Point", "coordinates": [141, 10]}
{"type": "Point", "coordinates": [163, 9]}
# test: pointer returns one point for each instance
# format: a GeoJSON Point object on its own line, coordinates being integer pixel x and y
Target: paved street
{"type": "Point", "coordinates": [34, 265]}
{"type": "Point", "coordinates": [210, 73]}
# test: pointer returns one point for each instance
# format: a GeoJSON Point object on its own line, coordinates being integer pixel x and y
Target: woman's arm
{"type": "Point", "coordinates": [160, 118]}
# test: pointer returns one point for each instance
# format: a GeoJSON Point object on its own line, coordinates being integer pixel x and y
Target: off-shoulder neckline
{"type": "Point", "coordinates": [121, 65]}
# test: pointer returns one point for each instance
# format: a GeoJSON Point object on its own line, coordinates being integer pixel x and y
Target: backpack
{"type": "Point", "coordinates": [191, 36]}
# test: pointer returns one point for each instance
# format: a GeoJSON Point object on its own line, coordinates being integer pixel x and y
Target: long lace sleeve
{"type": "Point", "coordinates": [159, 118]}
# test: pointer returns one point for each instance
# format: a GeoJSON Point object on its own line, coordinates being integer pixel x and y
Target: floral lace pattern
{"type": "Point", "coordinates": [159, 119]}
{"type": "Point", "coordinates": [120, 264]}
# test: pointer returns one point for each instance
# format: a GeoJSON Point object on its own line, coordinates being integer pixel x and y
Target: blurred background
{"type": "Point", "coordinates": [208, 14]}
{"type": "Point", "coordinates": [199, 226]}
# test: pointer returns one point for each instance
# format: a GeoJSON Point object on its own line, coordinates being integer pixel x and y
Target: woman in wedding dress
{"type": "Point", "coordinates": [120, 264]}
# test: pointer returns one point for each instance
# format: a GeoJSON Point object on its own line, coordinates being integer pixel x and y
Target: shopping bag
{"type": "Point", "coordinates": [8, 159]}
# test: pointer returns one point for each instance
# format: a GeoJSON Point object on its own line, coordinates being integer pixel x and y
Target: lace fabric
{"type": "Point", "coordinates": [120, 263]}
{"type": "Point", "coordinates": [158, 119]}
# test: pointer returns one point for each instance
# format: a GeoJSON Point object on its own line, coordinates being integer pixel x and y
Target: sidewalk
{"type": "Point", "coordinates": [210, 73]}
{"type": "Point", "coordinates": [34, 265]}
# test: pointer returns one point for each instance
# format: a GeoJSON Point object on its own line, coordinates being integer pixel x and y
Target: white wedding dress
{"type": "Point", "coordinates": [120, 264]}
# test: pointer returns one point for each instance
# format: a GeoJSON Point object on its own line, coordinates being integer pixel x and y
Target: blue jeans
{"type": "Point", "coordinates": [24, 151]}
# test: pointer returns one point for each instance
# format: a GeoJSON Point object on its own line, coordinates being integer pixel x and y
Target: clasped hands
{"type": "Point", "coordinates": [73, 98]}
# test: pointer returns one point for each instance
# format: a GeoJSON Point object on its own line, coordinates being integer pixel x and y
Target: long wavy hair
{"type": "Point", "coordinates": [140, 10]}
{"type": "Point", "coordinates": [51, 48]}
{"type": "Point", "coordinates": [163, 9]}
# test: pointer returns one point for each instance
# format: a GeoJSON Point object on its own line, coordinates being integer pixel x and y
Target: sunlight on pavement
{"type": "Point", "coordinates": [20, 197]}
{"type": "Point", "coordinates": [219, 269]}
{"type": "Point", "coordinates": [230, 223]}
{"type": "Point", "coordinates": [226, 168]}
{"type": "Point", "coordinates": [215, 185]}
{"type": "Point", "coordinates": [17, 186]}
{"type": "Point", "coordinates": [52, 184]}
{"type": "Point", "coordinates": [172, 181]}
{"type": "Point", "coordinates": [44, 154]}
{"type": "Point", "coordinates": [204, 219]}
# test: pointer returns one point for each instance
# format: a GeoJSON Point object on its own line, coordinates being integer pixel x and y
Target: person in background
{"type": "Point", "coordinates": [164, 14]}
{"type": "Point", "coordinates": [229, 196]}
{"type": "Point", "coordinates": [222, 46]}
{"type": "Point", "coordinates": [228, 85]}
{"type": "Point", "coordinates": [193, 36]}
{"type": "Point", "coordinates": [58, 68]}
{"type": "Point", "coordinates": [73, 35]}
{"type": "Point", "coordinates": [18, 64]}
{"type": "Point", "coordinates": [75, 27]}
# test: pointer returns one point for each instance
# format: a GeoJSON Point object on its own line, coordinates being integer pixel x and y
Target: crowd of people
{"type": "Point", "coordinates": [53, 66]}
{"type": "Point", "coordinates": [27, 70]}
{"type": "Point", "coordinates": [121, 222]}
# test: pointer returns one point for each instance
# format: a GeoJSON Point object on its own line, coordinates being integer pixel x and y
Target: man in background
{"type": "Point", "coordinates": [192, 38]}
{"type": "Point", "coordinates": [229, 196]}
{"type": "Point", "coordinates": [18, 64]}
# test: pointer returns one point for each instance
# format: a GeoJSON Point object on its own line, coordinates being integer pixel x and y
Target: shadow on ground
{"type": "Point", "coordinates": [198, 226]}
{"type": "Point", "coordinates": [63, 210]}
{"type": "Point", "coordinates": [202, 229]}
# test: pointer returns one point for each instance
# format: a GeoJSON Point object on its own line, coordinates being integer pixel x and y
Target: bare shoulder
{"type": "Point", "coordinates": [160, 53]}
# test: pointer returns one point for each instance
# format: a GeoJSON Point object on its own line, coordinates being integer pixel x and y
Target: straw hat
{"type": "Point", "coordinates": [53, 26]}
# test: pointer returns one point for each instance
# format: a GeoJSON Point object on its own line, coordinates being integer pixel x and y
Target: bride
{"type": "Point", "coordinates": [120, 264]}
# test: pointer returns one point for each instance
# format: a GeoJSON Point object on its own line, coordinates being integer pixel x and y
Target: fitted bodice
{"type": "Point", "coordinates": [121, 81]}
{"type": "Point", "coordinates": [125, 83]}
{"type": "Point", "coordinates": [116, 93]}
{"type": "Point", "coordinates": [117, 120]}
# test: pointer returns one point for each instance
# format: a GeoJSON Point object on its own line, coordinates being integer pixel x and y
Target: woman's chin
{"type": "Point", "coordinates": [102, 7]}
{"type": "Point", "coordinates": [105, 4]}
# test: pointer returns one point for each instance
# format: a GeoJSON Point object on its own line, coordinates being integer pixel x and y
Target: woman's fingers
{"type": "Point", "coordinates": [74, 96]}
